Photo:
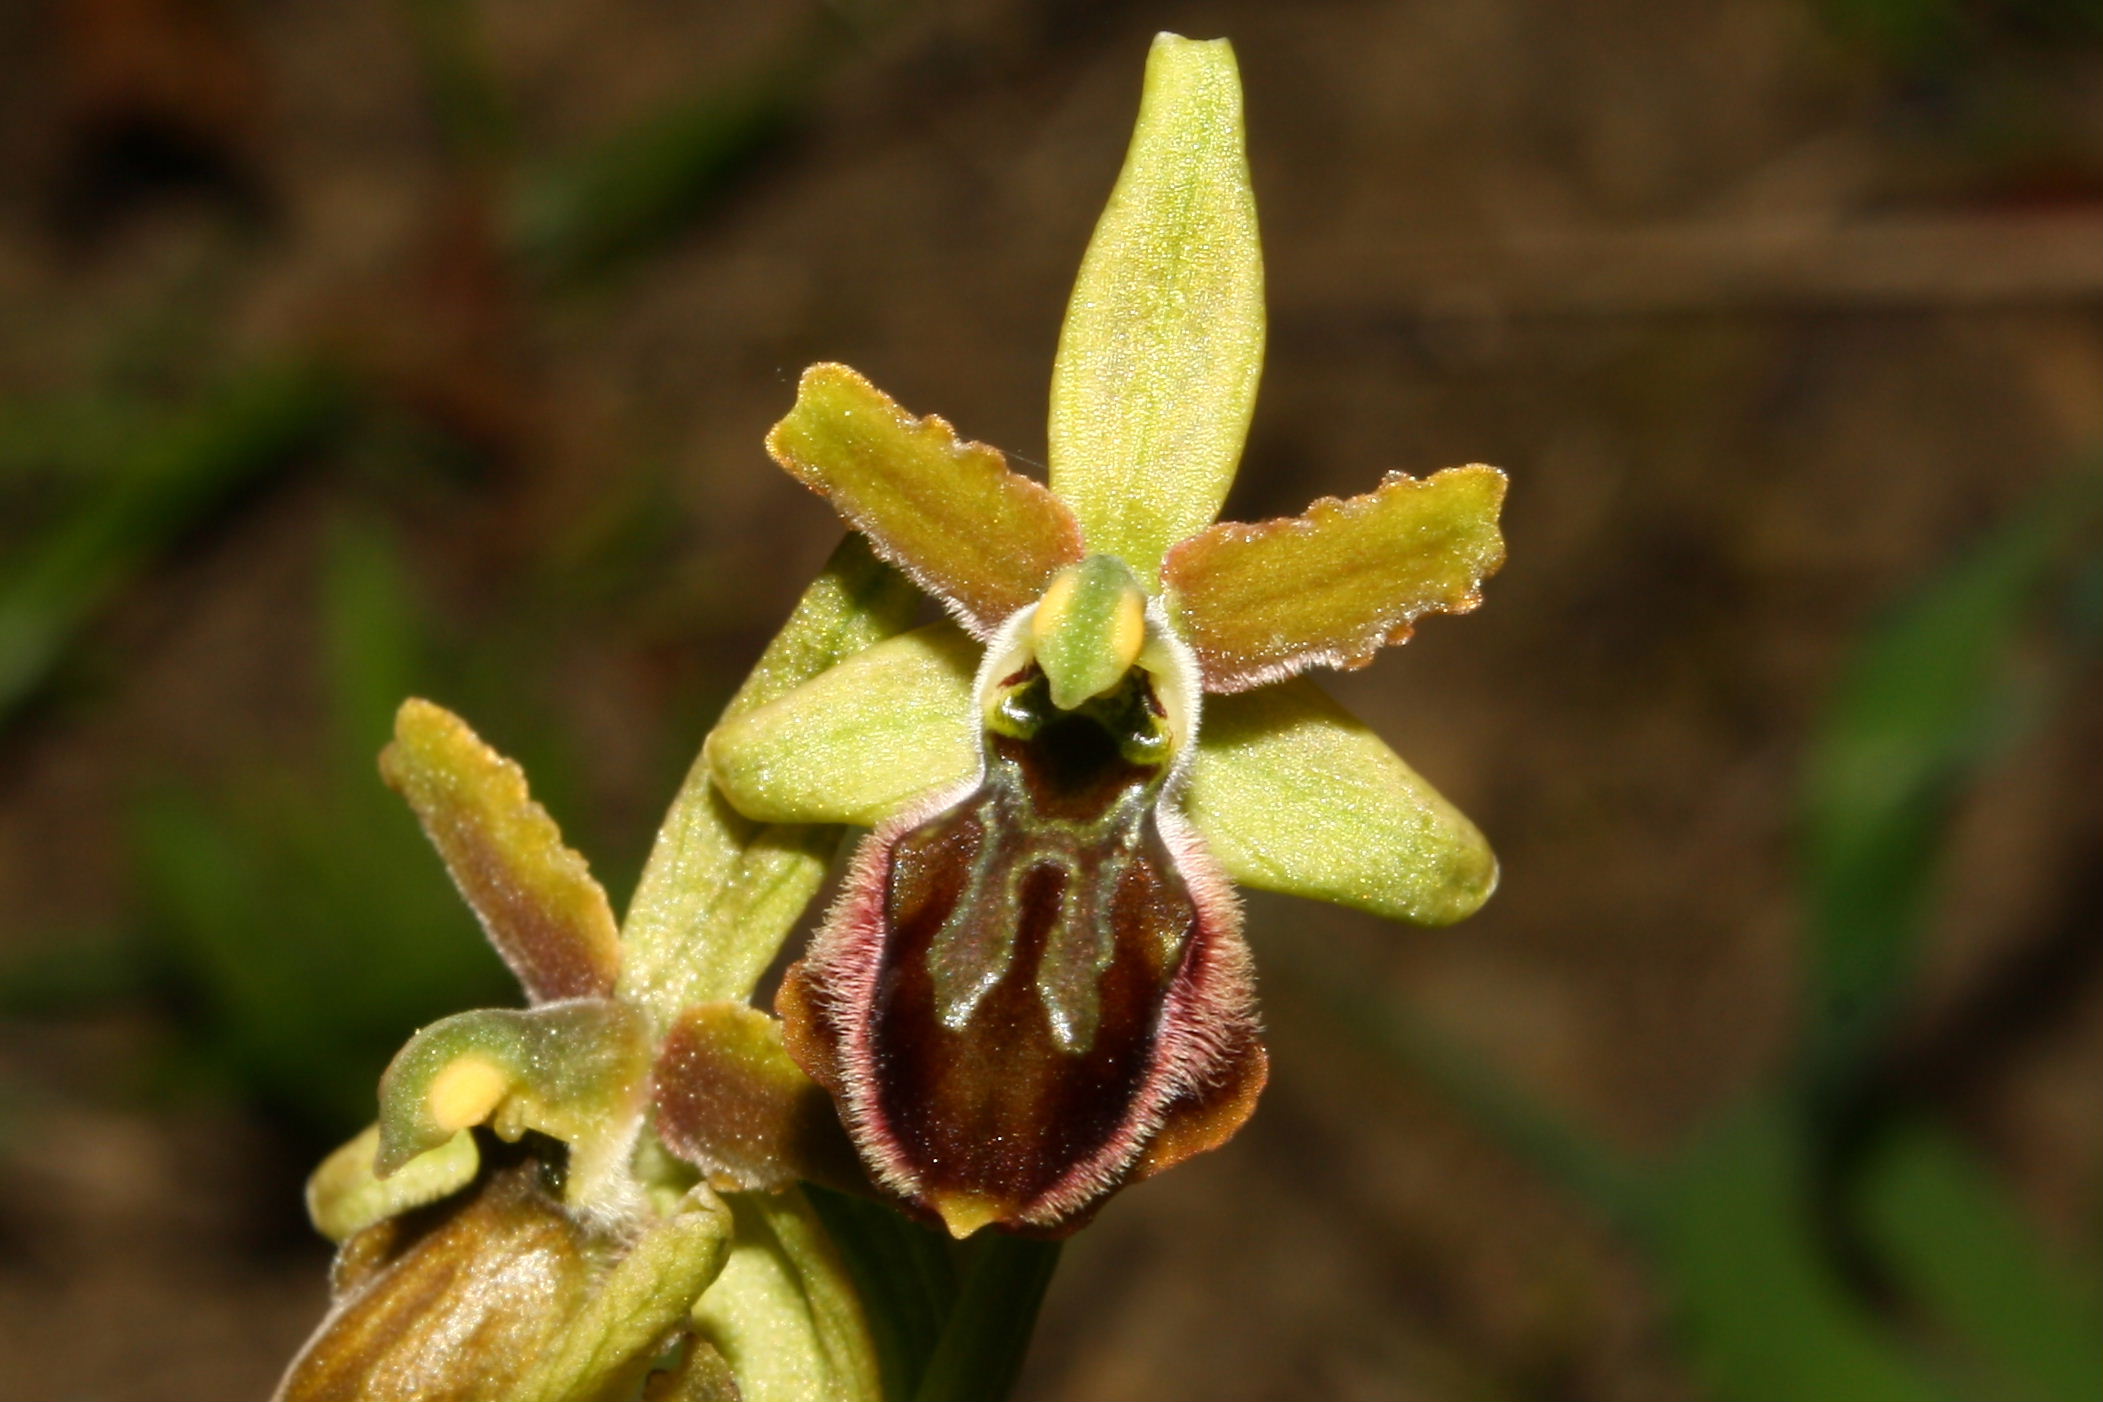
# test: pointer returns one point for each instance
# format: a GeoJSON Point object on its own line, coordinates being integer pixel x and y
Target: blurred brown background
{"type": "Point", "coordinates": [355, 349]}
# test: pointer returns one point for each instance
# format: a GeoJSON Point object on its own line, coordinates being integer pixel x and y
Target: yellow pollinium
{"type": "Point", "coordinates": [1088, 629]}
{"type": "Point", "coordinates": [466, 1093]}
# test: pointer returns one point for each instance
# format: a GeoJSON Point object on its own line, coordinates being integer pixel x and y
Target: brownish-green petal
{"type": "Point", "coordinates": [535, 897]}
{"type": "Point", "coordinates": [732, 1103]}
{"type": "Point", "coordinates": [856, 743]}
{"type": "Point", "coordinates": [1156, 374]}
{"type": "Point", "coordinates": [721, 891]}
{"type": "Point", "coordinates": [578, 1071]}
{"type": "Point", "coordinates": [1291, 793]}
{"type": "Point", "coordinates": [950, 513]}
{"type": "Point", "coordinates": [1260, 602]}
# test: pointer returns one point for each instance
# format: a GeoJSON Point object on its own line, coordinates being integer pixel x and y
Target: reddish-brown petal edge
{"type": "Point", "coordinates": [1208, 1066]}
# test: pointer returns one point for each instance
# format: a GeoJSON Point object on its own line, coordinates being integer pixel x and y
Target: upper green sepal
{"type": "Point", "coordinates": [1156, 374]}
{"type": "Point", "coordinates": [577, 1071]}
{"type": "Point", "coordinates": [1293, 794]}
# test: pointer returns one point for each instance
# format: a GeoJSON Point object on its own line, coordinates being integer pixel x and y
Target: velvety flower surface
{"type": "Point", "coordinates": [1034, 988]}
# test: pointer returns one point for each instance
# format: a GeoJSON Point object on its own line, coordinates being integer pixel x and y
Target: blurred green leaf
{"type": "Point", "coordinates": [1934, 692]}
{"type": "Point", "coordinates": [303, 914]}
{"type": "Point", "coordinates": [466, 99]}
{"type": "Point", "coordinates": [171, 478]}
{"type": "Point", "coordinates": [1736, 1223]}
{"type": "Point", "coordinates": [70, 972]}
{"type": "Point", "coordinates": [644, 185]}
{"type": "Point", "coordinates": [77, 439]}
{"type": "Point", "coordinates": [1765, 1313]}
{"type": "Point", "coordinates": [371, 643]}
{"type": "Point", "coordinates": [1964, 1254]}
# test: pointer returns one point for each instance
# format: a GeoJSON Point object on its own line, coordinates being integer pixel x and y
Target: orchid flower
{"type": "Point", "coordinates": [1034, 988]}
{"type": "Point", "coordinates": [566, 1200]}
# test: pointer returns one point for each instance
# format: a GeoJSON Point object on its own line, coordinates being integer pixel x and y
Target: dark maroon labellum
{"type": "Point", "coordinates": [1018, 990]}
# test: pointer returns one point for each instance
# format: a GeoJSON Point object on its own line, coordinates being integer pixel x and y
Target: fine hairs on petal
{"type": "Point", "coordinates": [1208, 1016]}
{"type": "Point", "coordinates": [841, 971]}
{"type": "Point", "coordinates": [1207, 1020]}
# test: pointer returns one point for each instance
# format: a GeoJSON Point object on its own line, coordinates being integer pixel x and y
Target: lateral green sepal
{"type": "Point", "coordinates": [857, 743]}
{"type": "Point", "coordinates": [1292, 793]}
{"type": "Point", "coordinates": [1155, 379]}
{"type": "Point", "coordinates": [577, 1071]}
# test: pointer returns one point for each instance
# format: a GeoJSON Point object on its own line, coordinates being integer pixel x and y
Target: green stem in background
{"type": "Point", "coordinates": [1936, 693]}
{"type": "Point", "coordinates": [982, 1347]}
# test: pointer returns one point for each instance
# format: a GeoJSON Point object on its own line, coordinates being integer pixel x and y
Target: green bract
{"type": "Point", "coordinates": [1037, 935]}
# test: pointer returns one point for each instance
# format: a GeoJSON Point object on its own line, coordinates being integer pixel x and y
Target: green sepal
{"type": "Point", "coordinates": [535, 897]}
{"type": "Point", "coordinates": [857, 743]}
{"type": "Point", "coordinates": [577, 1071]}
{"type": "Point", "coordinates": [640, 1306]}
{"type": "Point", "coordinates": [1291, 793]}
{"type": "Point", "coordinates": [784, 1312]}
{"type": "Point", "coordinates": [721, 891]}
{"type": "Point", "coordinates": [1259, 602]}
{"type": "Point", "coordinates": [1156, 374]}
{"type": "Point", "coordinates": [345, 1195]}
{"type": "Point", "coordinates": [950, 513]}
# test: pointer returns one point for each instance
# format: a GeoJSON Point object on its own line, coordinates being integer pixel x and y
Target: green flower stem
{"type": "Point", "coordinates": [907, 1277]}
{"type": "Point", "coordinates": [988, 1334]}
